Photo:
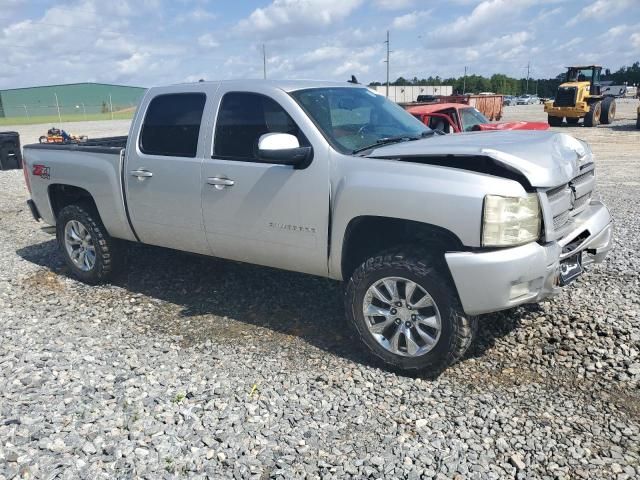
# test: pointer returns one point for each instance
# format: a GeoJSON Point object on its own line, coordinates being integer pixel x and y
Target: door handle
{"type": "Point", "coordinates": [141, 173]}
{"type": "Point", "coordinates": [220, 182]}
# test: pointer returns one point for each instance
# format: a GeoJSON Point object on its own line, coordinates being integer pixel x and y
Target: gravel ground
{"type": "Point", "coordinates": [195, 367]}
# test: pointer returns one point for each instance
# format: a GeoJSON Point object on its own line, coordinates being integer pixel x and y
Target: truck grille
{"type": "Point", "coordinates": [567, 201]}
{"type": "Point", "coordinates": [566, 97]}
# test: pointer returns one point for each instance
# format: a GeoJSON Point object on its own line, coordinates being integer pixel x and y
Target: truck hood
{"type": "Point", "coordinates": [545, 159]}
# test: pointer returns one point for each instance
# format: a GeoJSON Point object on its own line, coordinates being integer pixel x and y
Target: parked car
{"type": "Point", "coordinates": [330, 179]}
{"type": "Point", "coordinates": [509, 100]}
{"type": "Point", "coordinates": [458, 117]}
{"type": "Point", "coordinates": [427, 98]}
{"type": "Point", "coordinates": [527, 100]}
{"type": "Point", "coordinates": [489, 105]}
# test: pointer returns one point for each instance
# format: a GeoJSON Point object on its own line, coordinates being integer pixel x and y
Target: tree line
{"type": "Point", "coordinates": [503, 84]}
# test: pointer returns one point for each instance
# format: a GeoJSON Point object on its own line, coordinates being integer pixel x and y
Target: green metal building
{"type": "Point", "coordinates": [75, 99]}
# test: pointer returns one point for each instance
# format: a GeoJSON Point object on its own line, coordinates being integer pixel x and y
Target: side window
{"type": "Point", "coordinates": [243, 118]}
{"type": "Point", "coordinates": [172, 125]}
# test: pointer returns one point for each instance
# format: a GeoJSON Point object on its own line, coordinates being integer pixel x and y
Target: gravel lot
{"type": "Point", "coordinates": [189, 366]}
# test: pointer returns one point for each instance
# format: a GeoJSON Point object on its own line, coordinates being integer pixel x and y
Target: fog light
{"type": "Point", "coordinates": [519, 290]}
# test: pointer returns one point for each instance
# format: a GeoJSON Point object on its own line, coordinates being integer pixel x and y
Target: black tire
{"type": "Point", "coordinates": [638, 122]}
{"type": "Point", "coordinates": [109, 252]}
{"type": "Point", "coordinates": [572, 120]}
{"type": "Point", "coordinates": [592, 119]}
{"type": "Point", "coordinates": [457, 328]}
{"type": "Point", "coordinates": [554, 121]}
{"type": "Point", "coordinates": [608, 113]}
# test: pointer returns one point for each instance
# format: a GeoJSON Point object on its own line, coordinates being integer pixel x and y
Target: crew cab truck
{"type": "Point", "coordinates": [428, 231]}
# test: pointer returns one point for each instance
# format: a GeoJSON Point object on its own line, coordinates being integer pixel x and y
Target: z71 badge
{"type": "Point", "coordinates": [41, 171]}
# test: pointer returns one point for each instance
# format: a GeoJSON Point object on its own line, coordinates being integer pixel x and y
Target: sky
{"type": "Point", "coordinates": [156, 42]}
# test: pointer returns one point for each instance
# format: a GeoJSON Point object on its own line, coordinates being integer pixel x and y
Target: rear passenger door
{"type": "Point", "coordinates": [163, 173]}
{"type": "Point", "coordinates": [267, 214]}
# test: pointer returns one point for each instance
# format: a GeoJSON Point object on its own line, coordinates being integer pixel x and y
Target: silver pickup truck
{"type": "Point", "coordinates": [428, 231]}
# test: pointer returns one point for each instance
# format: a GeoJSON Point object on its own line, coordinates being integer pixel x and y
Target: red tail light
{"type": "Point", "coordinates": [26, 175]}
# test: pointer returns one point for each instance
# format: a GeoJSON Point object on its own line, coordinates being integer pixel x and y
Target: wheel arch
{"type": "Point", "coordinates": [61, 195]}
{"type": "Point", "coordinates": [367, 235]}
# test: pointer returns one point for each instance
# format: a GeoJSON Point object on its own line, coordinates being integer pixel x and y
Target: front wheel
{"type": "Point", "coordinates": [406, 311]}
{"type": "Point", "coordinates": [608, 110]}
{"type": "Point", "coordinates": [555, 121]}
{"type": "Point", "coordinates": [592, 119]}
{"type": "Point", "coordinates": [91, 254]}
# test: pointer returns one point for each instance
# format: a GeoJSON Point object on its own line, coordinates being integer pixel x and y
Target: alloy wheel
{"type": "Point", "coordinates": [402, 316]}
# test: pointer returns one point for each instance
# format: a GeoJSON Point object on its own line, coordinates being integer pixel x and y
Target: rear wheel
{"type": "Point", "coordinates": [555, 121]}
{"type": "Point", "coordinates": [91, 254]}
{"type": "Point", "coordinates": [406, 311]}
{"type": "Point", "coordinates": [608, 113]}
{"type": "Point", "coordinates": [592, 119]}
{"type": "Point", "coordinates": [572, 120]}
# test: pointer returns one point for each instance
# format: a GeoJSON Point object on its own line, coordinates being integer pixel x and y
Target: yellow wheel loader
{"type": "Point", "coordinates": [580, 97]}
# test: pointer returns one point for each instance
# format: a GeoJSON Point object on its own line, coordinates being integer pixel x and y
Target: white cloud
{"type": "Point", "coordinates": [393, 4]}
{"type": "Point", "coordinates": [158, 42]}
{"type": "Point", "coordinates": [483, 21]}
{"type": "Point", "coordinates": [286, 18]}
{"type": "Point", "coordinates": [134, 63]}
{"type": "Point", "coordinates": [410, 20]}
{"type": "Point", "coordinates": [198, 14]}
{"type": "Point", "coordinates": [207, 41]}
{"type": "Point", "coordinates": [601, 9]}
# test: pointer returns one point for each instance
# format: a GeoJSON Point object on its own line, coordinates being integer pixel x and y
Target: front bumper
{"type": "Point", "coordinates": [579, 110]}
{"type": "Point", "coordinates": [501, 279]}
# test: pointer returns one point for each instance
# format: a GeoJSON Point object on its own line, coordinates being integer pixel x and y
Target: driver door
{"type": "Point", "coordinates": [257, 212]}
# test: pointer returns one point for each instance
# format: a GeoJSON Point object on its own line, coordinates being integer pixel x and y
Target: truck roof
{"type": "Point", "coordinates": [286, 85]}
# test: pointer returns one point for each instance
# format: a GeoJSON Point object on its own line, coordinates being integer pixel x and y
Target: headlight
{"type": "Point", "coordinates": [509, 221]}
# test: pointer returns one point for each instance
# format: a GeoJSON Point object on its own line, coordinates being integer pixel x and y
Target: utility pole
{"type": "Point", "coordinates": [264, 61]}
{"type": "Point", "coordinates": [528, 66]}
{"type": "Point", "coordinates": [111, 106]}
{"type": "Point", "coordinates": [387, 62]}
{"type": "Point", "coordinates": [464, 81]}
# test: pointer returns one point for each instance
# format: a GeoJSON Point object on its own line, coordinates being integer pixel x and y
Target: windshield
{"type": "Point", "coordinates": [581, 75]}
{"type": "Point", "coordinates": [471, 117]}
{"type": "Point", "coordinates": [352, 119]}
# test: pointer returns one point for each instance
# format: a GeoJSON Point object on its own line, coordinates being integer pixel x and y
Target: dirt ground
{"type": "Point", "coordinates": [191, 367]}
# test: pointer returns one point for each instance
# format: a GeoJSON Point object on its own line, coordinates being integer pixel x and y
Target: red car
{"type": "Point", "coordinates": [458, 117]}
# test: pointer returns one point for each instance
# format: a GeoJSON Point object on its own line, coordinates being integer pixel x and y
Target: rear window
{"type": "Point", "coordinates": [172, 125]}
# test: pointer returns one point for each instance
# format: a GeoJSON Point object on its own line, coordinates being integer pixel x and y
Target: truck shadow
{"type": "Point", "coordinates": [287, 303]}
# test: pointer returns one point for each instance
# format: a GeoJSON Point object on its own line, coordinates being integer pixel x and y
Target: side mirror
{"type": "Point", "coordinates": [284, 149]}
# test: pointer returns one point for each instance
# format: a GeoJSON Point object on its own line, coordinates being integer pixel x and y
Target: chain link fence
{"type": "Point", "coordinates": [75, 112]}
{"type": "Point", "coordinates": [68, 103]}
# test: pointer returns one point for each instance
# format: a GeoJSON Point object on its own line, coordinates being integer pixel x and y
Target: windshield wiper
{"type": "Point", "coordinates": [396, 139]}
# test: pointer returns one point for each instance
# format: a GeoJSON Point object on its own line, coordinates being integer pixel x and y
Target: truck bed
{"type": "Point", "coordinates": [94, 145]}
